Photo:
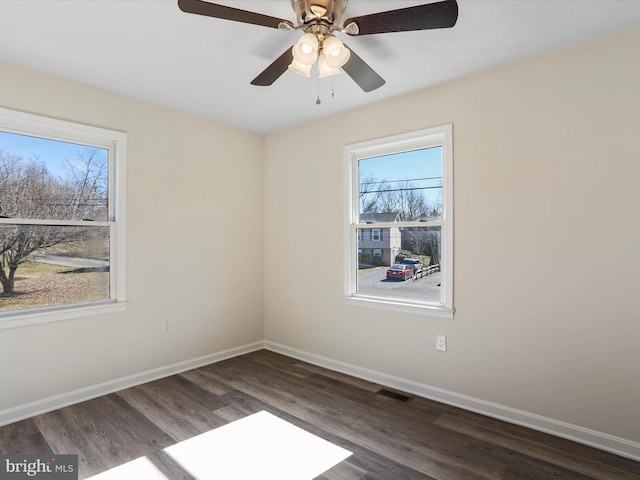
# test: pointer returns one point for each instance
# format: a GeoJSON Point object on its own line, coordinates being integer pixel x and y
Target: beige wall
{"type": "Point", "coordinates": [184, 200]}
{"type": "Point", "coordinates": [546, 171]}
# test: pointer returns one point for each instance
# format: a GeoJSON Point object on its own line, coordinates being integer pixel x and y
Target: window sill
{"type": "Point", "coordinates": [395, 306]}
{"type": "Point", "coordinates": [17, 320]}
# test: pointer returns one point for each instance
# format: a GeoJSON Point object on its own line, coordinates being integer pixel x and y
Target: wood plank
{"type": "Point", "coordinates": [104, 432]}
{"type": "Point", "coordinates": [23, 437]}
{"type": "Point", "coordinates": [344, 471]}
{"type": "Point", "coordinates": [278, 362]}
{"type": "Point", "coordinates": [563, 458]}
{"type": "Point", "coordinates": [176, 406]}
{"type": "Point", "coordinates": [523, 466]}
{"type": "Point", "coordinates": [200, 377]}
{"type": "Point", "coordinates": [341, 377]}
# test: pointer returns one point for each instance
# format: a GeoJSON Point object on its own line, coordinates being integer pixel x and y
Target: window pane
{"type": "Point", "coordinates": [45, 266]}
{"type": "Point", "coordinates": [417, 247]}
{"type": "Point", "coordinates": [401, 187]}
{"type": "Point", "coordinates": [49, 179]}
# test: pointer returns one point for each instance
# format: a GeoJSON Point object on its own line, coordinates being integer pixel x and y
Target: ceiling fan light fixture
{"type": "Point", "coordinates": [300, 68]}
{"type": "Point", "coordinates": [319, 19]}
{"type": "Point", "coordinates": [305, 51]}
{"type": "Point", "coordinates": [335, 52]}
{"type": "Point", "coordinates": [324, 70]}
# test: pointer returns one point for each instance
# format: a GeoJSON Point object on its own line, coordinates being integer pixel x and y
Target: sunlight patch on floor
{"type": "Point", "coordinates": [258, 446]}
{"type": "Point", "coordinates": [140, 468]}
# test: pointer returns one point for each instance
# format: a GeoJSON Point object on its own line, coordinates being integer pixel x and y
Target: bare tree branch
{"type": "Point", "coordinates": [29, 191]}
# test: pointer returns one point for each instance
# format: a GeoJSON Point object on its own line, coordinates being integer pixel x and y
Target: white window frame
{"type": "Point", "coordinates": [373, 235]}
{"type": "Point", "coordinates": [377, 252]}
{"type": "Point", "coordinates": [116, 143]}
{"type": "Point", "coordinates": [432, 137]}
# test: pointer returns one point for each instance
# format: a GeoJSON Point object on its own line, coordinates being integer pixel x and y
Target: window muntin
{"type": "Point", "coordinates": [61, 225]}
{"type": "Point", "coordinates": [402, 184]}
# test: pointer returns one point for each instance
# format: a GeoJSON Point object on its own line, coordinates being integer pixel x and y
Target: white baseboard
{"type": "Point", "coordinates": [69, 398]}
{"type": "Point", "coordinates": [619, 446]}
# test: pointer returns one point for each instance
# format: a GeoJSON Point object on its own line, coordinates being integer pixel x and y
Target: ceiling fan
{"type": "Point", "coordinates": [320, 19]}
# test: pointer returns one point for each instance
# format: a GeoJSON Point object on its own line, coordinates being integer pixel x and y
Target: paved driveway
{"type": "Point", "coordinates": [375, 283]}
{"type": "Point", "coordinates": [63, 261]}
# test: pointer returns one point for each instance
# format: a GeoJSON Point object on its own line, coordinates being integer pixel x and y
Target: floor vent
{"type": "Point", "coordinates": [391, 394]}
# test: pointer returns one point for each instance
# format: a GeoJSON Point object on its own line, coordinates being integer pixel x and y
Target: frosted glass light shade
{"type": "Point", "coordinates": [306, 50]}
{"type": "Point", "coordinates": [335, 52]}
{"type": "Point", "coordinates": [324, 69]}
{"type": "Point", "coordinates": [300, 68]}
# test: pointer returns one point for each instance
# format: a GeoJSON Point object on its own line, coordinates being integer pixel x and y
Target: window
{"type": "Point", "coordinates": [61, 219]}
{"type": "Point", "coordinates": [404, 185]}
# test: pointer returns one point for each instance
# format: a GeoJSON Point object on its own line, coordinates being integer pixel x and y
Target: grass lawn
{"type": "Point", "coordinates": [362, 271]}
{"type": "Point", "coordinates": [43, 285]}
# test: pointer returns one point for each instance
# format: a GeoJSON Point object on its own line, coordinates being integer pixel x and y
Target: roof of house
{"type": "Point", "coordinates": [387, 217]}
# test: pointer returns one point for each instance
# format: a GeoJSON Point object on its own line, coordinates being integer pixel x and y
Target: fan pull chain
{"type": "Point", "coordinates": [318, 101]}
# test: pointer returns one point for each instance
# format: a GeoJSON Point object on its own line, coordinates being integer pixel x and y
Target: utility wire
{"type": "Point", "coordinates": [397, 181]}
{"type": "Point", "coordinates": [398, 189]}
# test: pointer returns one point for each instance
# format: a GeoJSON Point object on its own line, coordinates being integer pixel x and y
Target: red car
{"type": "Point", "coordinates": [399, 271]}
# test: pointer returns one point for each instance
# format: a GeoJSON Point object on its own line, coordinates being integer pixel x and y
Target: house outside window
{"type": "Point", "coordinates": [402, 184]}
{"type": "Point", "coordinates": [62, 229]}
{"type": "Point", "coordinates": [385, 241]}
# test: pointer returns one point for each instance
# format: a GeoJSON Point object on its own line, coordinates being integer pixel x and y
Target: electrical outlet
{"type": "Point", "coordinates": [166, 325]}
{"type": "Point", "coordinates": [441, 343]}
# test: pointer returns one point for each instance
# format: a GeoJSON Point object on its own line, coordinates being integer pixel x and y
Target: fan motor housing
{"type": "Point", "coordinates": [329, 11]}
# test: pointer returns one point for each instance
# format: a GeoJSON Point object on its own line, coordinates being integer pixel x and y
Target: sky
{"type": "Point", "coordinates": [422, 168]}
{"type": "Point", "coordinates": [53, 153]}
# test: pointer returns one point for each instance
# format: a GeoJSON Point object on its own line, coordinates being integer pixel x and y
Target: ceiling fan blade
{"type": "Point", "coordinates": [200, 7]}
{"type": "Point", "coordinates": [275, 70]}
{"type": "Point", "coordinates": [421, 17]}
{"type": "Point", "coordinates": [361, 73]}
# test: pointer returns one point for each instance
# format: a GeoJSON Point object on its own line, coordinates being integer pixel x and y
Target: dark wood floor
{"type": "Point", "coordinates": [391, 439]}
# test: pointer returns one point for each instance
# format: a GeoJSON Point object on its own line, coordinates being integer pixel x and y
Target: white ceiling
{"type": "Point", "coordinates": [152, 51]}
